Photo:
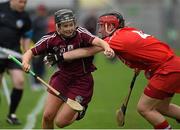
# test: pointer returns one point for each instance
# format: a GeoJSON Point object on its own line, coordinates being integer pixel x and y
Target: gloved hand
{"type": "Point", "coordinates": [52, 59]}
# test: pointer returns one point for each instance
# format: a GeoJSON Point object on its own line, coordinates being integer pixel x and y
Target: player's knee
{"type": "Point", "coordinates": [19, 83]}
{"type": "Point", "coordinates": [47, 117]}
{"type": "Point", "coordinates": [141, 109]}
{"type": "Point", "coordinates": [61, 123]}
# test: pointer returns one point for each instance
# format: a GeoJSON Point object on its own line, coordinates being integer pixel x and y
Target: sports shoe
{"type": "Point", "coordinates": [13, 120]}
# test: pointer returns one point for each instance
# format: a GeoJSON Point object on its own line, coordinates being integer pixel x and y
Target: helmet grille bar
{"type": "Point", "coordinates": [119, 19]}
{"type": "Point", "coordinates": [64, 15]}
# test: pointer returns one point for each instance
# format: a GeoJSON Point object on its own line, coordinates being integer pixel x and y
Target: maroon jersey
{"type": "Point", "coordinates": [54, 43]}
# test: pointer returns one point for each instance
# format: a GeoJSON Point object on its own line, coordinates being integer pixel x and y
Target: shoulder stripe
{"type": "Point", "coordinates": [83, 30]}
{"type": "Point", "coordinates": [44, 38]}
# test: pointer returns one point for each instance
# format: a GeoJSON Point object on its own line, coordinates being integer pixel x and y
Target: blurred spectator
{"type": "Point", "coordinates": [51, 24]}
{"type": "Point", "coordinates": [40, 29]}
{"type": "Point", "coordinates": [90, 22]}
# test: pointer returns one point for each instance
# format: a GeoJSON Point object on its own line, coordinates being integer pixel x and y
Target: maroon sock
{"type": "Point", "coordinates": [163, 125]}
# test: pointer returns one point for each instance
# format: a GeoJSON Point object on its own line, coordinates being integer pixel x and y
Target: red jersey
{"type": "Point", "coordinates": [139, 50]}
{"type": "Point", "coordinates": [53, 43]}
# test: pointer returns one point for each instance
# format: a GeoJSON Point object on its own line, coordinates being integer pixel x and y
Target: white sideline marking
{"type": "Point", "coordinates": [31, 118]}
{"type": "Point", "coordinates": [6, 90]}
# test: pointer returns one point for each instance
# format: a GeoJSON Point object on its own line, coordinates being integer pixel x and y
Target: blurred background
{"type": "Point", "coordinates": [160, 18]}
{"type": "Point", "coordinates": [157, 17]}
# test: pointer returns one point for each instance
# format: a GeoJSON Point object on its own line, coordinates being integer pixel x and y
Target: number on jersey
{"type": "Point", "coordinates": [141, 34]}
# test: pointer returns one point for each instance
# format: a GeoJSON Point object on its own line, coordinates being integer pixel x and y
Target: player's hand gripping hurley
{"type": "Point", "coordinates": [73, 104]}
{"type": "Point", "coordinates": [121, 112]}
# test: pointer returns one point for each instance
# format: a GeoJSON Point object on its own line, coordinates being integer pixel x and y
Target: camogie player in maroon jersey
{"type": "Point", "coordinates": [73, 79]}
{"type": "Point", "coordinates": [143, 52]}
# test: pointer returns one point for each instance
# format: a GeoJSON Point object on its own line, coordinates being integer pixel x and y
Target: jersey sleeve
{"type": "Point", "coordinates": [86, 36]}
{"type": "Point", "coordinates": [41, 46]}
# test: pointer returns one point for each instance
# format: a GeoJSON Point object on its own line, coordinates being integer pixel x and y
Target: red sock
{"type": "Point", "coordinates": [163, 125]}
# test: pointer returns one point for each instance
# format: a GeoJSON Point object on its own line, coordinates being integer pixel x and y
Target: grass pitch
{"type": "Point", "coordinates": [112, 80]}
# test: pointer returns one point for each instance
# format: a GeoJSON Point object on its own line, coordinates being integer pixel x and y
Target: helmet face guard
{"type": "Point", "coordinates": [108, 20]}
{"type": "Point", "coordinates": [112, 18]}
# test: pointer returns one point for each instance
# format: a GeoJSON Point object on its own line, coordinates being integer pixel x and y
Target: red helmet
{"type": "Point", "coordinates": [112, 18]}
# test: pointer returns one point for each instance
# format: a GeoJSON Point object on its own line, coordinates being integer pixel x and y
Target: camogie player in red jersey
{"type": "Point", "coordinates": [73, 79]}
{"type": "Point", "coordinates": [161, 66]}
{"type": "Point", "coordinates": [143, 52]}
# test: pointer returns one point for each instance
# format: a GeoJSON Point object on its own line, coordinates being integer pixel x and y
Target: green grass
{"type": "Point", "coordinates": [112, 80]}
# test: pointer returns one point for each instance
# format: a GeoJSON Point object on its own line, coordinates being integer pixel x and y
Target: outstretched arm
{"type": "Point", "coordinates": [52, 59]}
{"type": "Point", "coordinates": [99, 45]}
{"type": "Point", "coordinates": [81, 52]}
{"type": "Point", "coordinates": [108, 52]}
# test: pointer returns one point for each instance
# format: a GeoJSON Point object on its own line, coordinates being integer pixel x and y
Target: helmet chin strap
{"type": "Point", "coordinates": [106, 29]}
{"type": "Point", "coordinates": [57, 29]}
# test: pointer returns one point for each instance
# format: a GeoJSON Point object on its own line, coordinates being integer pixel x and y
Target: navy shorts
{"type": "Point", "coordinates": [8, 64]}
